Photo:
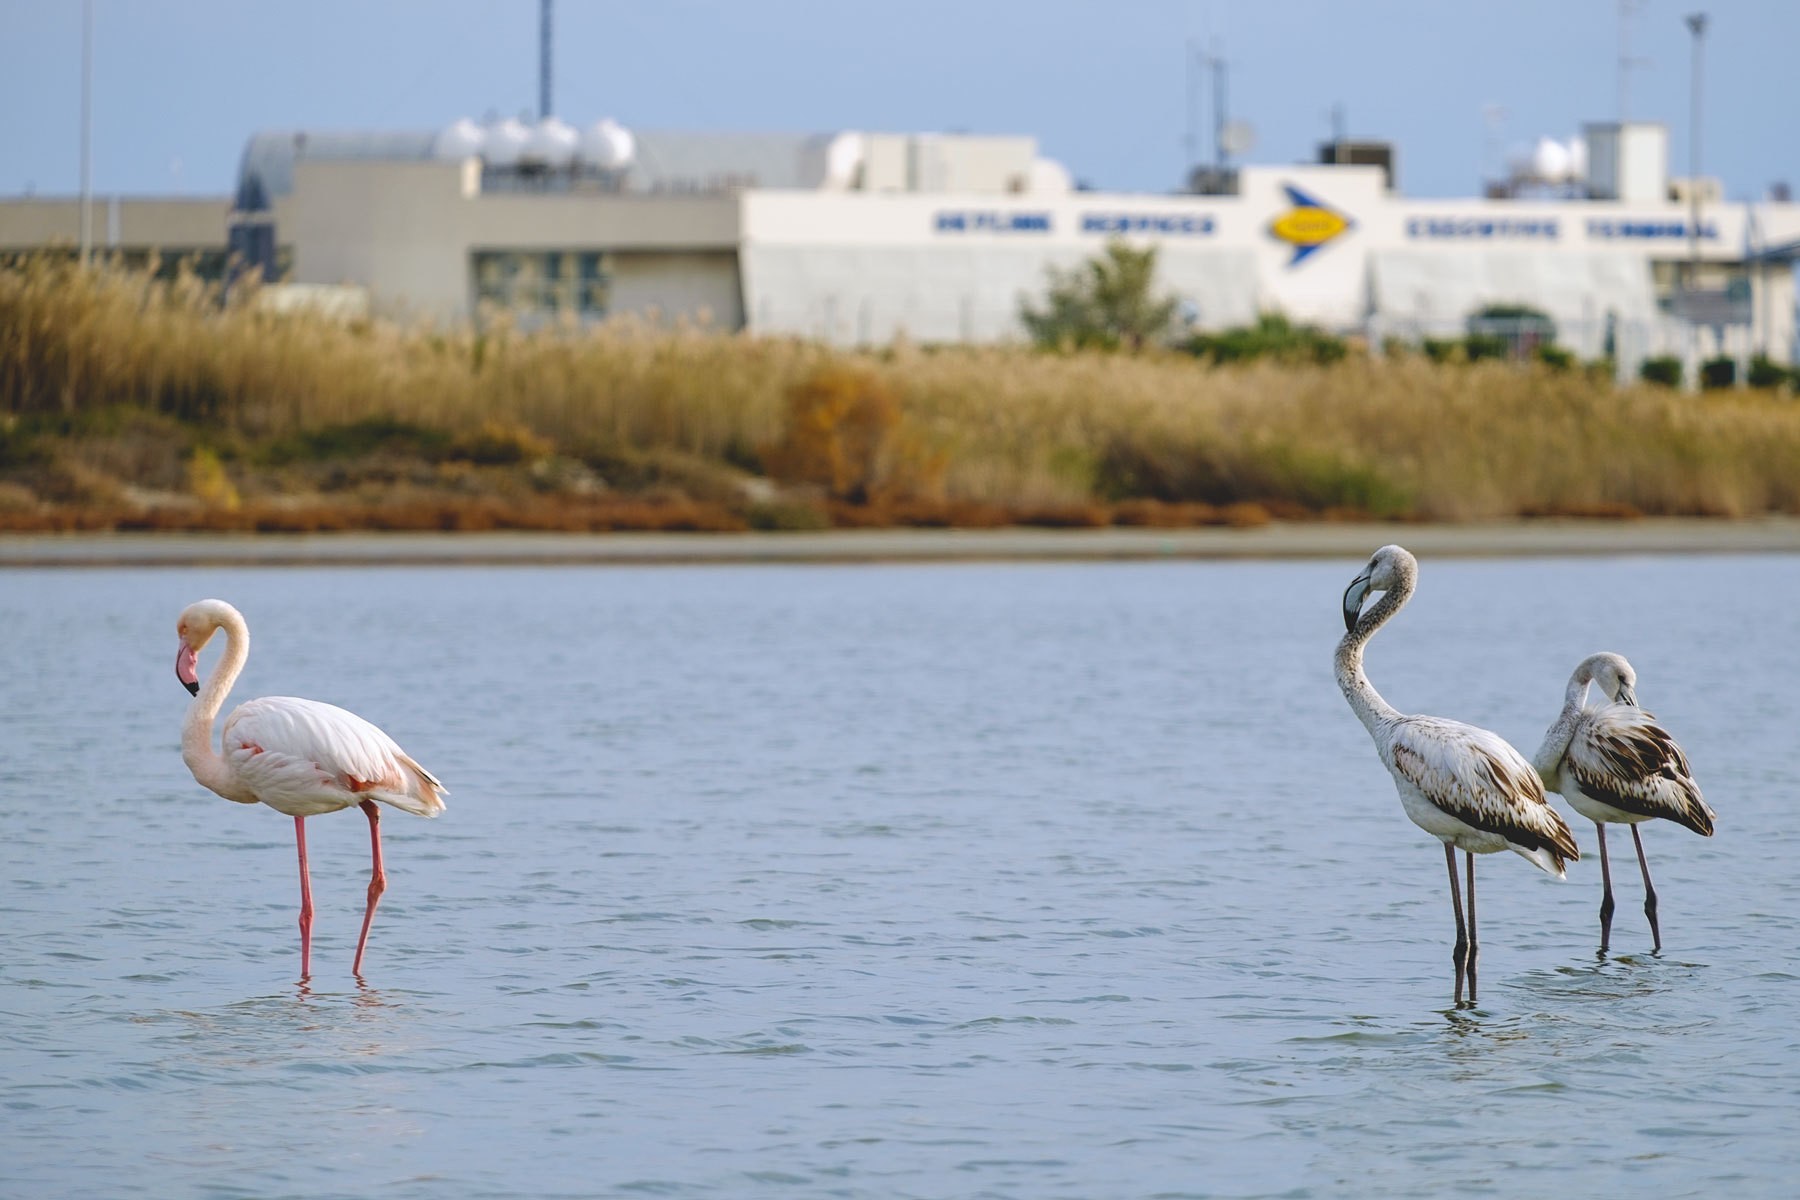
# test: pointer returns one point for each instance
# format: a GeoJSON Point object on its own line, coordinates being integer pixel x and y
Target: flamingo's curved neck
{"type": "Point", "coordinates": [208, 766]}
{"type": "Point", "coordinates": [1365, 701]}
{"type": "Point", "coordinates": [1558, 736]}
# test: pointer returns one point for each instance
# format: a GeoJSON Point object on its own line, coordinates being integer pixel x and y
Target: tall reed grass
{"type": "Point", "coordinates": [112, 383]}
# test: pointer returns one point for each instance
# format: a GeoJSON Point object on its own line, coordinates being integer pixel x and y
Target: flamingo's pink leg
{"type": "Point", "coordinates": [377, 881]}
{"type": "Point", "coordinates": [306, 905]}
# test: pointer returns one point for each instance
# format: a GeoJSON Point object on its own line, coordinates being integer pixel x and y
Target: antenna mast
{"type": "Point", "coordinates": [1627, 63]}
{"type": "Point", "coordinates": [544, 60]}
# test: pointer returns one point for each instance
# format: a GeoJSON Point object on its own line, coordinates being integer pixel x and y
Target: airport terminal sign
{"type": "Point", "coordinates": [1482, 229]}
{"type": "Point", "coordinates": [1117, 224]}
{"type": "Point", "coordinates": [1102, 223]}
{"type": "Point", "coordinates": [964, 220]}
{"type": "Point", "coordinates": [1636, 228]}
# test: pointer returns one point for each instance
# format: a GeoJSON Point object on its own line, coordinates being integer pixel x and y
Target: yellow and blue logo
{"type": "Point", "coordinates": [1308, 225]}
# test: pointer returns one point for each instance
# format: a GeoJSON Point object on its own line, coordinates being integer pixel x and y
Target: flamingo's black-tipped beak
{"type": "Point", "coordinates": [187, 669]}
{"type": "Point", "coordinates": [1354, 595]}
{"type": "Point", "coordinates": [1626, 695]}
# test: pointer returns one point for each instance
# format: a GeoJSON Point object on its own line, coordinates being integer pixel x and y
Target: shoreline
{"type": "Point", "coordinates": [1280, 540]}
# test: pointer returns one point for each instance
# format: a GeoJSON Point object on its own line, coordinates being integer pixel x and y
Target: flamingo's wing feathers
{"type": "Point", "coordinates": [1477, 777]}
{"type": "Point", "coordinates": [284, 743]}
{"type": "Point", "coordinates": [1621, 756]}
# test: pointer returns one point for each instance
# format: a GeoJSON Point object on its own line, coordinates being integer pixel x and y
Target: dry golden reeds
{"type": "Point", "coordinates": [117, 389]}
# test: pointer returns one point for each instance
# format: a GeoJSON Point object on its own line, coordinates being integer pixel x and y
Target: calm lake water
{"type": "Point", "coordinates": [916, 881]}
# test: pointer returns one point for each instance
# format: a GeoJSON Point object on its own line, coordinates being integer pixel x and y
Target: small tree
{"type": "Point", "coordinates": [1105, 303]}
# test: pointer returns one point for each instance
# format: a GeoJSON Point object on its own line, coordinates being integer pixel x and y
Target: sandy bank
{"type": "Point", "coordinates": [1546, 537]}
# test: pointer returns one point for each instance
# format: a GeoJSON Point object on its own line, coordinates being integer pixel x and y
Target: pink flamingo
{"type": "Point", "coordinates": [300, 757]}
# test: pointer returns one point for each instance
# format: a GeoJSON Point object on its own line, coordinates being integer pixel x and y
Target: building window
{"type": "Point", "coordinates": [543, 282]}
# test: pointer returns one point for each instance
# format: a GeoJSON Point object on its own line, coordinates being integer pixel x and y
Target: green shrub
{"type": "Point", "coordinates": [1664, 369]}
{"type": "Point", "coordinates": [1486, 345]}
{"type": "Point", "coordinates": [1718, 372]}
{"type": "Point", "coordinates": [1555, 357]}
{"type": "Point", "coordinates": [1766, 373]}
{"type": "Point", "coordinates": [1272, 337]}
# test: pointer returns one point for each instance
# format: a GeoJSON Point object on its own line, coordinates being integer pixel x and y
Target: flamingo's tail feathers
{"type": "Point", "coordinates": [1556, 848]}
{"type": "Point", "coordinates": [1696, 814]}
{"type": "Point", "coordinates": [1544, 858]}
{"type": "Point", "coordinates": [423, 795]}
{"type": "Point", "coordinates": [1565, 841]}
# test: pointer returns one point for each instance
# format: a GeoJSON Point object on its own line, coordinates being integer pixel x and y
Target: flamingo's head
{"type": "Point", "coordinates": [1387, 567]}
{"type": "Point", "coordinates": [195, 627]}
{"type": "Point", "coordinates": [1612, 674]}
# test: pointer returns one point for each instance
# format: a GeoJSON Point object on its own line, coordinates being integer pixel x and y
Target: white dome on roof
{"type": "Point", "coordinates": [608, 145]}
{"type": "Point", "coordinates": [1550, 161]}
{"type": "Point", "coordinates": [1578, 158]}
{"type": "Point", "coordinates": [553, 143]}
{"type": "Point", "coordinates": [1049, 178]}
{"type": "Point", "coordinates": [844, 156]}
{"type": "Point", "coordinates": [458, 140]}
{"type": "Point", "coordinates": [505, 143]}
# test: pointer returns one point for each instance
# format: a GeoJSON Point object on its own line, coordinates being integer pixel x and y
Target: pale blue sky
{"type": "Point", "coordinates": [180, 84]}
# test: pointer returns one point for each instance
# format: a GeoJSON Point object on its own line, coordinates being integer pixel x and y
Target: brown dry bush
{"type": "Point", "coordinates": [840, 425]}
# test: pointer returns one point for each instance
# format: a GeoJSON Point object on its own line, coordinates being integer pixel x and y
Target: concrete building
{"type": "Point", "coordinates": [135, 228]}
{"type": "Point", "coordinates": [860, 238]}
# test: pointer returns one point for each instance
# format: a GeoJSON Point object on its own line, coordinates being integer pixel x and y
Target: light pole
{"type": "Point", "coordinates": [1696, 23]}
{"type": "Point", "coordinates": [87, 130]}
{"type": "Point", "coordinates": [1192, 141]}
{"type": "Point", "coordinates": [544, 60]}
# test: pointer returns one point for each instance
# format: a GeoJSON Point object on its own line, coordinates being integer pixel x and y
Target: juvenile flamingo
{"type": "Point", "coordinates": [1465, 786]}
{"type": "Point", "coordinates": [1614, 764]}
{"type": "Point", "coordinates": [300, 757]}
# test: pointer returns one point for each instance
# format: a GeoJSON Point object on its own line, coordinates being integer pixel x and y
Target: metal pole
{"type": "Point", "coordinates": [1218, 67]}
{"type": "Point", "coordinates": [1193, 113]}
{"type": "Point", "coordinates": [1626, 61]}
{"type": "Point", "coordinates": [544, 60]}
{"type": "Point", "coordinates": [1697, 23]}
{"type": "Point", "coordinates": [87, 130]}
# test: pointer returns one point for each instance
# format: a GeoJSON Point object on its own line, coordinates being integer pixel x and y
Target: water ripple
{"type": "Point", "coordinates": [876, 882]}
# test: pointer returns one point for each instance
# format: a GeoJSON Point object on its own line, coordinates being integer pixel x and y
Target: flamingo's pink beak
{"type": "Point", "coordinates": [187, 669]}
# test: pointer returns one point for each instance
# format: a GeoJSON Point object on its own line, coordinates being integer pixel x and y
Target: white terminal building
{"type": "Point", "coordinates": [860, 238]}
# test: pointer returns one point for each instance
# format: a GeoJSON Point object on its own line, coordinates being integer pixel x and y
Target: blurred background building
{"type": "Point", "coordinates": [859, 237]}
